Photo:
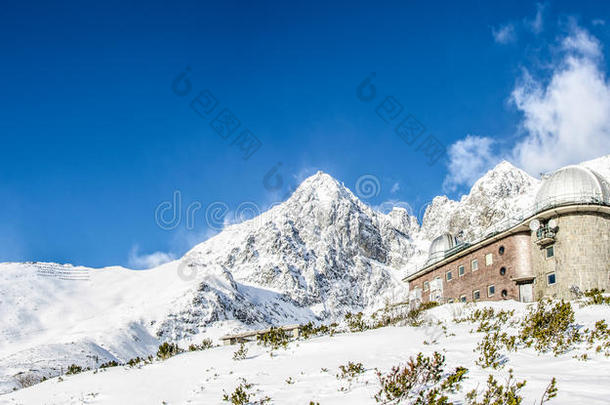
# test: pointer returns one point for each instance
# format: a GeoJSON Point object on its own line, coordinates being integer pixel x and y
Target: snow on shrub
{"type": "Point", "coordinates": [421, 381]}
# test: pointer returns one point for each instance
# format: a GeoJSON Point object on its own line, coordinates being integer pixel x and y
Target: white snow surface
{"type": "Point", "coordinates": [312, 365]}
{"type": "Point", "coordinates": [318, 255]}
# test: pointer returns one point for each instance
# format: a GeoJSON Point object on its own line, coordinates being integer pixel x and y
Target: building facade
{"type": "Point", "coordinates": [558, 249]}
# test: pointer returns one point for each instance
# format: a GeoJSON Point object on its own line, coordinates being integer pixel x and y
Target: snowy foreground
{"type": "Point", "coordinates": [311, 367]}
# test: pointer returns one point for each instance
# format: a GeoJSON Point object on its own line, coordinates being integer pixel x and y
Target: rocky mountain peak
{"type": "Point", "coordinates": [503, 181]}
{"type": "Point", "coordinates": [321, 187]}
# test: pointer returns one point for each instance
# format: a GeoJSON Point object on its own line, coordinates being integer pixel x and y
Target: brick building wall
{"type": "Point", "coordinates": [515, 262]}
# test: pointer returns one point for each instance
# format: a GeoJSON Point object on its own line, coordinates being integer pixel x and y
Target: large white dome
{"type": "Point", "coordinates": [439, 246]}
{"type": "Point", "coordinates": [572, 184]}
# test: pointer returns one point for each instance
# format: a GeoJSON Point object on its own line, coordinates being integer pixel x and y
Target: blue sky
{"type": "Point", "coordinates": [95, 136]}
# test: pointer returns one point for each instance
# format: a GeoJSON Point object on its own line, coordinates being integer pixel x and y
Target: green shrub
{"type": "Point", "coordinates": [598, 337]}
{"type": "Point", "coordinates": [596, 297]}
{"type": "Point", "coordinates": [420, 382]}
{"type": "Point", "coordinates": [74, 369]}
{"type": "Point", "coordinates": [241, 353]}
{"type": "Point", "coordinates": [550, 327]}
{"type": "Point", "coordinates": [167, 350]}
{"type": "Point", "coordinates": [355, 323]}
{"type": "Point", "coordinates": [310, 330]}
{"type": "Point", "coordinates": [111, 363]}
{"type": "Point", "coordinates": [496, 393]}
{"type": "Point", "coordinates": [274, 338]}
{"type": "Point", "coordinates": [205, 344]}
{"type": "Point", "coordinates": [242, 395]}
{"type": "Point", "coordinates": [413, 317]}
{"type": "Point", "coordinates": [550, 391]}
{"type": "Point", "coordinates": [351, 370]}
{"type": "Point", "coordinates": [508, 394]}
{"type": "Point", "coordinates": [489, 320]}
{"type": "Point", "coordinates": [489, 348]}
{"type": "Point", "coordinates": [134, 362]}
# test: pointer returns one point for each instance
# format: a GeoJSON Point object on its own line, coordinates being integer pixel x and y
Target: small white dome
{"type": "Point", "coordinates": [439, 246]}
{"type": "Point", "coordinates": [572, 184]}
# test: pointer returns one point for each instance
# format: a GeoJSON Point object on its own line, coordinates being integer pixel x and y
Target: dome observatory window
{"type": "Point", "coordinates": [501, 250]}
{"type": "Point", "coordinates": [502, 271]}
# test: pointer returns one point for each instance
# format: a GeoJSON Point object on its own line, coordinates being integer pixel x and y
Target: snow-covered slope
{"type": "Point", "coordinates": [306, 371]}
{"type": "Point", "coordinates": [314, 257]}
{"type": "Point", "coordinates": [317, 256]}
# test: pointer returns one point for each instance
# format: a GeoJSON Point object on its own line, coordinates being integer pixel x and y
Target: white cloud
{"type": "Point", "coordinates": [598, 21]}
{"type": "Point", "coordinates": [469, 159]}
{"type": "Point", "coordinates": [395, 188]}
{"type": "Point", "coordinates": [582, 43]}
{"type": "Point", "coordinates": [505, 34]}
{"type": "Point", "coordinates": [147, 261]}
{"type": "Point", "coordinates": [537, 24]}
{"type": "Point", "coordinates": [567, 118]}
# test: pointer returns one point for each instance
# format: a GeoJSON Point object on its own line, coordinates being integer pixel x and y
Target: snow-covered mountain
{"type": "Point", "coordinates": [500, 194]}
{"type": "Point", "coordinates": [316, 256]}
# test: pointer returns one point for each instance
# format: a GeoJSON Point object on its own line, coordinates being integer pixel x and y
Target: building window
{"type": "Point", "coordinates": [501, 250]}
{"type": "Point", "coordinates": [461, 270]}
{"type": "Point", "coordinates": [502, 271]}
{"type": "Point", "coordinates": [489, 259]}
{"type": "Point", "coordinates": [449, 276]}
{"type": "Point", "coordinates": [462, 298]}
{"type": "Point", "coordinates": [551, 279]}
{"type": "Point", "coordinates": [475, 265]}
{"type": "Point", "coordinates": [550, 252]}
{"type": "Point", "coordinates": [476, 295]}
{"type": "Point", "coordinates": [504, 293]}
{"type": "Point", "coordinates": [426, 286]}
{"type": "Point", "coordinates": [491, 290]}
{"type": "Point", "coordinates": [450, 301]}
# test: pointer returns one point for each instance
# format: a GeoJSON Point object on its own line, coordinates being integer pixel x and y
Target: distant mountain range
{"type": "Point", "coordinates": [318, 255]}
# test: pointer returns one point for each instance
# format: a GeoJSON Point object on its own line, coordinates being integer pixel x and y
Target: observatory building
{"type": "Point", "coordinates": [559, 248]}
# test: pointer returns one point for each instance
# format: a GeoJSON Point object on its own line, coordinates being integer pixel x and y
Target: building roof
{"type": "Point", "coordinates": [572, 184]}
{"type": "Point", "coordinates": [440, 245]}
